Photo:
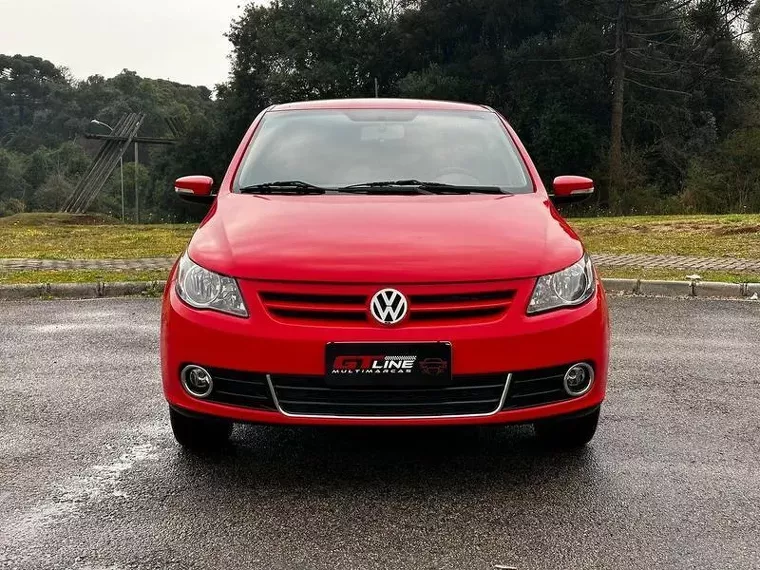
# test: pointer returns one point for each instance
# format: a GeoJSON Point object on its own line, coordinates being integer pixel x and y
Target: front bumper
{"type": "Point", "coordinates": [265, 348]}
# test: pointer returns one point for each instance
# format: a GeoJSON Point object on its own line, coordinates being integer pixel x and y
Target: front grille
{"type": "Point", "coordinates": [246, 389]}
{"type": "Point", "coordinates": [311, 307]}
{"type": "Point", "coordinates": [310, 395]}
{"type": "Point", "coordinates": [459, 306]}
{"type": "Point", "coordinates": [466, 395]}
{"type": "Point", "coordinates": [536, 387]}
{"type": "Point", "coordinates": [462, 303]}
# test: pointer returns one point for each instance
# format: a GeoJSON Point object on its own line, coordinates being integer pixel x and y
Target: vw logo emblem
{"type": "Point", "coordinates": [388, 306]}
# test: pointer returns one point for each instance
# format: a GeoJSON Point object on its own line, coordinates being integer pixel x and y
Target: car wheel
{"type": "Point", "coordinates": [199, 433]}
{"type": "Point", "coordinates": [568, 433]}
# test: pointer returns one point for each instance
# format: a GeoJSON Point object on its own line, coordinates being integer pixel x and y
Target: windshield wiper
{"type": "Point", "coordinates": [407, 185]}
{"type": "Point", "coordinates": [428, 187]}
{"type": "Point", "coordinates": [411, 185]}
{"type": "Point", "coordinates": [301, 187]}
{"type": "Point", "coordinates": [283, 187]}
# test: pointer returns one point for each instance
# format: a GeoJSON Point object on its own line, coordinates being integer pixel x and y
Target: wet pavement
{"type": "Point", "coordinates": [90, 477]}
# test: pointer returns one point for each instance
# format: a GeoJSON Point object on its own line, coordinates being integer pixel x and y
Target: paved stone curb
{"type": "Point", "coordinates": [137, 264]}
{"type": "Point", "coordinates": [682, 288]}
{"type": "Point", "coordinates": [678, 262]}
{"type": "Point", "coordinates": [641, 260]}
{"type": "Point", "coordinates": [80, 290]}
{"type": "Point", "coordinates": [612, 286]}
{"type": "Point", "coordinates": [667, 288]}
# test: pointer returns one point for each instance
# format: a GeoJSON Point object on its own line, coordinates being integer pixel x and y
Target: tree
{"type": "Point", "coordinates": [649, 96]}
{"type": "Point", "coordinates": [44, 113]}
{"type": "Point", "coordinates": [27, 82]}
{"type": "Point", "coordinates": [669, 47]}
{"type": "Point", "coordinates": [310, 49]}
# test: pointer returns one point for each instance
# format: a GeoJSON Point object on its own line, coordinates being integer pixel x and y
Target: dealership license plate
{"type": "Point", "coordinates": [388, 364]}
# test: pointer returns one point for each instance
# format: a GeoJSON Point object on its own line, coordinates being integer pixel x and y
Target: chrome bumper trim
{"type": "Point", "coordinates": [442, 416]}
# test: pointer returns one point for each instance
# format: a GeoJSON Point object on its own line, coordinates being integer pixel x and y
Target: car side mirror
{"type": "Point", "coordinates": [195, 189]}
{"type": "Point", "coordinates": [572, 188]}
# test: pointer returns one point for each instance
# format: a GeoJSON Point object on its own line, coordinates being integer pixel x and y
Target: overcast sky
{"type": "Point", "coordinates": [181, 40]}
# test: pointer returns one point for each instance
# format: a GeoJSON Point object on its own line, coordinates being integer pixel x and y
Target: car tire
{"type": "Point", "coordinates": [568, 433]}
{"type": "Point", "coordinates": [199, 434]}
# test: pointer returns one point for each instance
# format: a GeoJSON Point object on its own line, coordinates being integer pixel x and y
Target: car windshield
{"type": "Point", "coordinates": [339, 148]}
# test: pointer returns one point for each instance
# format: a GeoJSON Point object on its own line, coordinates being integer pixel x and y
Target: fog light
{"type": "Point", "coordinates": [197, 381]}
{"type": "Point", "coordinates": [578, 379]}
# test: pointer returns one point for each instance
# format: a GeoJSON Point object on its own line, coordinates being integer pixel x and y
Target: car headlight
{"type": "Point", "coordinates": [566, 288]}
{"type": "Point", "coordinates": [204, 289]}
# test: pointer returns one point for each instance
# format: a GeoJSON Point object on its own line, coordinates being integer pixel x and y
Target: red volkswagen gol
{"type": "Point", "coordinates": [383, 262]}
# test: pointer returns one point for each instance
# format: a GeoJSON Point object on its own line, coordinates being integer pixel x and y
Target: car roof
{"type": "Point", "coordinates": [379, 103]}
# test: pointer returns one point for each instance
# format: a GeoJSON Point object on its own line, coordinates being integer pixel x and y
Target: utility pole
{"type": "Point", "coordinates": [121, 165]}
{"type": "Point", "coordinates": [121, 174]}
{"type": "Point", "coordinates": [137, 196]}
{"type": "Point", "coordinates": [618, 100]}
{"type": "Point", "coordinates": [116, 144]}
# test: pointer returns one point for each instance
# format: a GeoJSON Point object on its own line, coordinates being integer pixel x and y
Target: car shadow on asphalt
{"type": "Point", "coordinates": [400, 458]}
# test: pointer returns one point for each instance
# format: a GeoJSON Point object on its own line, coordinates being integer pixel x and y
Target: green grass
{"type": "Point", "coordinates": [703, 236]}
{"type": "Point", "coordinates": [677, 275]}
{"type": "Point", "coordinates": [61, 236]}
{"type": "Point", "coordinates": [59, 219]}
{"type": "Point", "coordinates": [79, 276]}
{"type": "Point", "coordinates": [88, 276]}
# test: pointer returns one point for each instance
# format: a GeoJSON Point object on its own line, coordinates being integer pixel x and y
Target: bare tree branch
{"type": "Point", "coordinates": [656, 73]}
{"type": "Point", "coordinates": [654, 88]}
{"type": "Point", "coordinates": [649, 17]}
{"type": "Point", "coordinates": [672, 32]}
{"type": "Point", "coordinates": [606, 53]}
{"type": "Point", "coordinates": [640, 54]}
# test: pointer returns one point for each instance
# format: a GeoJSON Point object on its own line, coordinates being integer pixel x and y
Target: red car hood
{"type": "Point", "coordinates": [384, 239]}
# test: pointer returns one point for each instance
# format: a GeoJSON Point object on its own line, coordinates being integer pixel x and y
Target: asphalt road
{"type": "Point", "coordinates": [90, 477]}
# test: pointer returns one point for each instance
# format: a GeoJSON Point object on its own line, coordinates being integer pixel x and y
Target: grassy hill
{"type": "Point", "coordinates": [67, 236]}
